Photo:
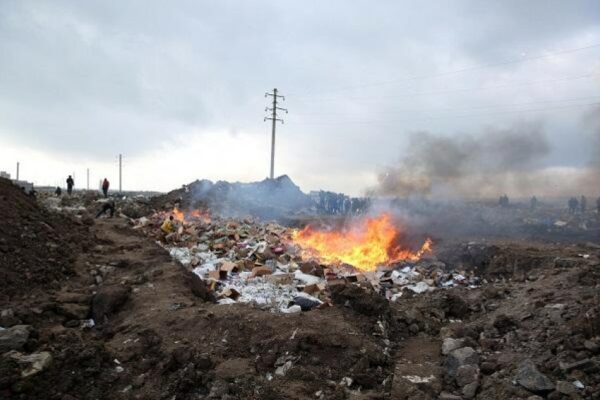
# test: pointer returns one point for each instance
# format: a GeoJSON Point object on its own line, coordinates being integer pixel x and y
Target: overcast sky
{"type": "Point", "coordinates": [178, 87]}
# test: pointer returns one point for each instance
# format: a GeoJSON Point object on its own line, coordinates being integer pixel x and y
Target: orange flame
{"type": "Point", "coordinates": [193, 214]}
{"type": "Point", "coordinates": [178, 215]}
{"type": "Point", "coordinates": [369, 243]}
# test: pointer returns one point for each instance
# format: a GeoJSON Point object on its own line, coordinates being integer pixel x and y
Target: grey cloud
{"type": "Point", "coordinates": [99, 78]}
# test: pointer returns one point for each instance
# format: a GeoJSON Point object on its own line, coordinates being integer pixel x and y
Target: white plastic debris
{"type": "Point", "coordinates": [419, 287]}
{"type": "Point", "coordinates": [419, 379]}
{"type": "Point", "coordinates": [306, 278]}
{"type": "Point", "coordinates": [346, 381]}
{"type": "Point", "coordinates": [292, 310]}
{"type": "Point", "coordinates": [578, 385]}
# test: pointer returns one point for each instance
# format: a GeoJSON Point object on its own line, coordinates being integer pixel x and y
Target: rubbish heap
{"type": "Point", "coordinates": [246, 261]}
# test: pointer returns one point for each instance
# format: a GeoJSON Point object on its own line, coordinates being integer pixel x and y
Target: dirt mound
{"type": "Point", "coordinates": [267, 199]}
{"type": "Point", "coordinates": [37, 247]}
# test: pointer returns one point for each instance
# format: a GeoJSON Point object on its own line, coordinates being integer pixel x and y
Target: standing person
{"type": "Point", "coordinates": [534, 203]}
{"type": "Point", "coordinates": [70, 184]}
{"type": "Point", "coordinates": [105, 186]}
{"type": "Point", "coordinates": [583, 204]}
{"type": "Point", "coordinates": [573, 204]}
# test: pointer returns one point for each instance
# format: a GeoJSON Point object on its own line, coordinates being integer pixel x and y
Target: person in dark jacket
{"type": "Point", "coordinates": [58, 191]}
{"type": "Point", "coordinates": [70, 184]}
{"type": "Point", "coordinates": [105, 186]}
{"type": "Point", "coordinates": [107, 206]}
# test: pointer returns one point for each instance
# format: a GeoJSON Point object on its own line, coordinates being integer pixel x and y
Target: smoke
{"type": "Point", "coordinates": [589, 181]}
{"type": "Point", "coordinates": [497, 160]}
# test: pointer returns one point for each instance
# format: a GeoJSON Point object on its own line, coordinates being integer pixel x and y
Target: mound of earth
{"type": "Point", "coordinates": [37, 247]}
{"type": "Point", "coordinates": [267, 199]}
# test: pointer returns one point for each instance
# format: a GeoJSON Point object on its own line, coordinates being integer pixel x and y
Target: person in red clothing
{"type": "Point", "coordinates": [105, 186]}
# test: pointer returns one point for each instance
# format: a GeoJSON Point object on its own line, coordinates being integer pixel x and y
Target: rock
{"type": "Point", "coordinates": [566, 388]}
{"type": "Point", "coordinates": [363, 301]}
{"type": "Point", "coordinates": [14, 338]}
{"type": "Point", "coordinates": [139, 381]}
{"type": "Point", "coordinates": [457, 307]}
{"type": "Point", "coordinates": [466, 374]}
{"type": "Point", "coordinates": [533, 380]}
{"type": "Point", "coordinates": [73, 311]}
{"type": "Point", "coordinates": [306, 304]}
{"type": "Point", "coordinates": [199, 287]}
{"type": "Point", "coordinates": [72, 323]}
{"type": "Point", "coordinates": [470, 390]}
{"type": "Point", "coordinates": [488, 367]}
{"type": "Point", "coordinates": [582, 365]}
{"type": "Point", "coordinates": [450, 344]}
{"type": "Point", "coordinates": [108, 300]}
{"type": "Point", "coordinates": [70, 297]}
{"type": "Point", "coordinates": [449, 396]}
{"type": "Point", "coordinates": [8, 319]}
{"type": "Point", "coordinates": [30, 364]}
{"type": "Point", "coordinates": [460, 357]}
{"type": "Point", "coordinates": [592, 346]}
{"type": "Point", "coordinates": [535, 397]}
{"type": "Point", "coordinates": [504, 323]}
{"type": "Point", "coordinates": [413, 328]}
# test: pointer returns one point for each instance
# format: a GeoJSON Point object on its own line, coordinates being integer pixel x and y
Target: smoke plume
{"type": "Point", "coordinates": [497, 160]}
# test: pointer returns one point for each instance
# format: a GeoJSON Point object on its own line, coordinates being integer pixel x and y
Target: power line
{"type": "Point", "coordinates": [274, 118]}
{"type": "Point", "coordinates": [421, 110]}
{"type": "Point", "coordinates": [457, 71]}
{"type": "Point", "coordinates": [374, 122]}
{"type": "Point", "coordinates": [461, 90]}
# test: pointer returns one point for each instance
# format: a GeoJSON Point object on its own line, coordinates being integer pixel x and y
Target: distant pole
{"type": "Point", "coordinates": [88, 179]}
{"type": "Point", "coordinates": [18, 165]}
{"type": "Point", "coordinates": [120, 172]}
{"type": "Point", "coordinates": [274, 120]}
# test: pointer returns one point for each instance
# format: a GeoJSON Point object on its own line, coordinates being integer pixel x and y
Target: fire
{"type": "Point", "coordinates": [367, 244]}
{"type": "Point", "coordinates": [178, 215]}
{"type": "Point", "coordinates": [190, 215]}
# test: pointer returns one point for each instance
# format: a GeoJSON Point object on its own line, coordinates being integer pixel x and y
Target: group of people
{"type": "Point", "coordinates": [340, 204]}
{"type": "Point", "coordinates": [107, 207]}
{"type": "Point", "coordinates": [581, 204]}
{"type": "Point", "coordinates": [71, 184]}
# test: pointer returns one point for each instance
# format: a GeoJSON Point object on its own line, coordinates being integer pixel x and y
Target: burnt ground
{"type": "Point", "coordinates": [155, 339]}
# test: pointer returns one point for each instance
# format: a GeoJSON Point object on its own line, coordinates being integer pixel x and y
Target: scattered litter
{"type": "Point", "coordinates": [419, 379]}
{"type": "Point", "coordinates": [245, 261]}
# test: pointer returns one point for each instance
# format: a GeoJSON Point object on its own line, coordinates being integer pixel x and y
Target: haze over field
{"type": "Point", "coordinates": [394, 96]}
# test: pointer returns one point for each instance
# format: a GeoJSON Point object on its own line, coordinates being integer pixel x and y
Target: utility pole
{"type": "Point", "coordinates": [88, 179]}
{"type": "Point", "coordinates": [120, 171]}
{"type": "Point", "coordinates": [18, 165]}
{"type": "Point", "coordinates": [274, 120]}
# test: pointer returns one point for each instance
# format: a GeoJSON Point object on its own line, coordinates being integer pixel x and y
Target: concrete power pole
{"type": "Point", "coordinates": [274, 120]}
{"type": "Point", "coordinates": [18, 165]}
{"type": "Point", "coordinates": [120, 172]}
{"type": "Point", "coordinates": [88, 179]}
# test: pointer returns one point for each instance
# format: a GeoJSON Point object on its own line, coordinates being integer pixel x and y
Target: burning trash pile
{"type": "Point", "coordinates": [286, 270]}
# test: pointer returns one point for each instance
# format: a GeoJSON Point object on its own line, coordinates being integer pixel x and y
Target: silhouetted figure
{"type": "Point", "coordinates": [573, 204]}
{"type": "Point", "coordinates": [107, 206]}
{"type": "Point", "coordinates": [534, 203]}
{"type": "Point", "coordinates": [503, 201]}
{"type": "Point", "coordinates": [105, 186]}
{"type": "Point", "coordinates": [58, 191]}
{"type": "Point", "coordinates": [70, 184]}
{"type": "Point", "coordinates": [583, 204]}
